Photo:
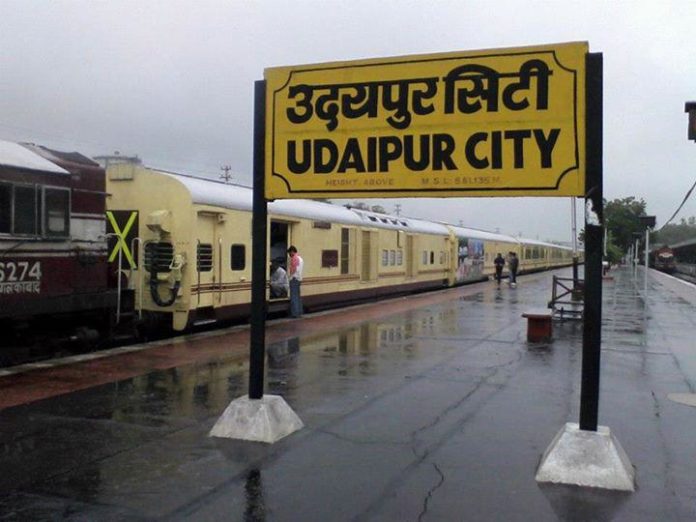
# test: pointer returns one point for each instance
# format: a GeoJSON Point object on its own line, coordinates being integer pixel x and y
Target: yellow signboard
{"type": "Point", "coordinates": [504, 122]}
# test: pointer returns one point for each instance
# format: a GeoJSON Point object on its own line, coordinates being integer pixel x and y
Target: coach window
{"type": "Point", "coordinates": [329, 258]}
{"type": "Point", "coordinates": [57, 215]}
{"type": "Point", "coordinates": [238, 257]}
{"type": "Point", "coordinates": [5, 208]}
{"type": "Point", "coordinates": [432, 257]}
{"type": "Point", "coordinates": [25, 210]}
{"type": "Point", "coordinates": [385, 257]}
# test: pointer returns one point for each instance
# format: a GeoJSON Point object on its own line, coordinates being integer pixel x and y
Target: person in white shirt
{"type": "Point", "coordinates": [295, 272]}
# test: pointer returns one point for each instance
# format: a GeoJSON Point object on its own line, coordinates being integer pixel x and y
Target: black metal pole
{"type": "Point", "coordinates": [259, 226]}
{"type": "Point", "coordinates": [575, 271]}
{"type": "Point", "coordinates": [594, 231]}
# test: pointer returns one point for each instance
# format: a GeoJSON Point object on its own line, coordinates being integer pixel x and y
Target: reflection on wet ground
{"type": "Point", "coordinates": [255, 508]}
{"type": "Point", "coordinates": [435, 411]}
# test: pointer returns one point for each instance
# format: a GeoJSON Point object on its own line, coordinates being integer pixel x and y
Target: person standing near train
{"type": "Point", "coordinates": [499, 262]}
{"type": "Point", "coordinates": [514, 264]}
{"type": "Point", "coordinates": [295, 271]}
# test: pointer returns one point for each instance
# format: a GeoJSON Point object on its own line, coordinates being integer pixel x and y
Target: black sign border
{"type": "Point", "coordinates": [521, 190]}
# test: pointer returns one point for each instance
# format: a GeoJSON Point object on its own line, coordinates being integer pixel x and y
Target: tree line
{"type": "Point", "coordinates": [622, 220]}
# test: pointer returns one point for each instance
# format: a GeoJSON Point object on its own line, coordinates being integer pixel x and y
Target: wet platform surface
{"type": "Point", "coordinates": [431, 407]}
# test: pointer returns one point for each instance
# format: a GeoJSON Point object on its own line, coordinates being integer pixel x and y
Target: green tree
{"type": "Point", "coordinates": [614, 253]}
{"type": "Point", "coordinates": [622, 218]}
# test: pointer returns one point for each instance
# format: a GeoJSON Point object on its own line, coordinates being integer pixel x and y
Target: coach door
{"type": "Point", "coordinates": [280, 240]}
{"type": "Point", "coordinates": [410, 256]}
{"type": "Point", "coordinates": [205, 283]}
{"type": "Point", "coordinates": [368, 270]}
{"type": "Point", "coordinates": [365, 257]}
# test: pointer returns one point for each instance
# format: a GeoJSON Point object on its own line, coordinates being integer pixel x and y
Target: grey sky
{"type": "Point", "coordinates": [172, 82]}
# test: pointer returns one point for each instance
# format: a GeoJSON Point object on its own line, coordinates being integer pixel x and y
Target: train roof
{"type": "Point", "coordinates": [19, 156]}
{"type": "Point", "coordinates": [400, 223]}
{"type": "Point", "coordinates": [218, 194]}
{"type": "Point", "coordinates": [526, 241]}
{"type": "Point", "coordinates": [215, 193]}
{"type": "Point", "coordinates": [66, 159]}
{"type": "Point", "coordinates": [476, 233]}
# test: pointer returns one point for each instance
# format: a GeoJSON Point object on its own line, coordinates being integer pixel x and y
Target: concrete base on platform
{"type": "Point", "coordinates": [683, 398]}
{"type": "Point", "coordinates": [268, 419]}
{"type": "Point", "coordinates": [587, 458]}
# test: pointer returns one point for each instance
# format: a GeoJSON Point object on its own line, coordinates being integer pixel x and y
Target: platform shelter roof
{"type": "Point", "coordinates": [684, 244]}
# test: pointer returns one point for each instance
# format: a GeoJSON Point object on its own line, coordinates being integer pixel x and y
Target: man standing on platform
{"type": "Point", "coordinates": [499, 262]}
{"type": "Point", "coordinates": [514, 264]}
{"type": "Point", "coordinates": [295, 272]}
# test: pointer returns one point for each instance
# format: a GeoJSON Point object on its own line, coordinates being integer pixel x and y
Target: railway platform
{"type": "Point", "coordinates": [428, 407]}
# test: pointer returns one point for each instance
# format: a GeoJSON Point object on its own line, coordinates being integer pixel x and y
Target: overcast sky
{"type": "Point", "coordinates": [172, 82]}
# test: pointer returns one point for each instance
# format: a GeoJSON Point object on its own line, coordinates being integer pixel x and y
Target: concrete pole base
{"type": "Point", "coordinates": [592, 459]}
{"type": "Point", "coordinates": [267, 419]}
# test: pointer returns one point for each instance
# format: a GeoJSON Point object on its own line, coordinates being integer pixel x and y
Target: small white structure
{"type": "Point", "coordinates": [587, 458]}
{"type": "Point", "coordinates": [267, 419]}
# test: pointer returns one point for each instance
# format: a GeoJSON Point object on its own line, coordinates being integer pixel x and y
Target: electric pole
{"type": "Point", "coordinates": [227, 177]}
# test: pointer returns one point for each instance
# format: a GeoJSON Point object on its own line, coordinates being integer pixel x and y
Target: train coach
{"type": "Point", "coordinates": [53, 266]}
{"type": "Point", "coordinates": [195, 237]}
{"type": "Point", "coordinates": [538, 255]}
{"type": "Point", "coordinates": [186, 247]}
